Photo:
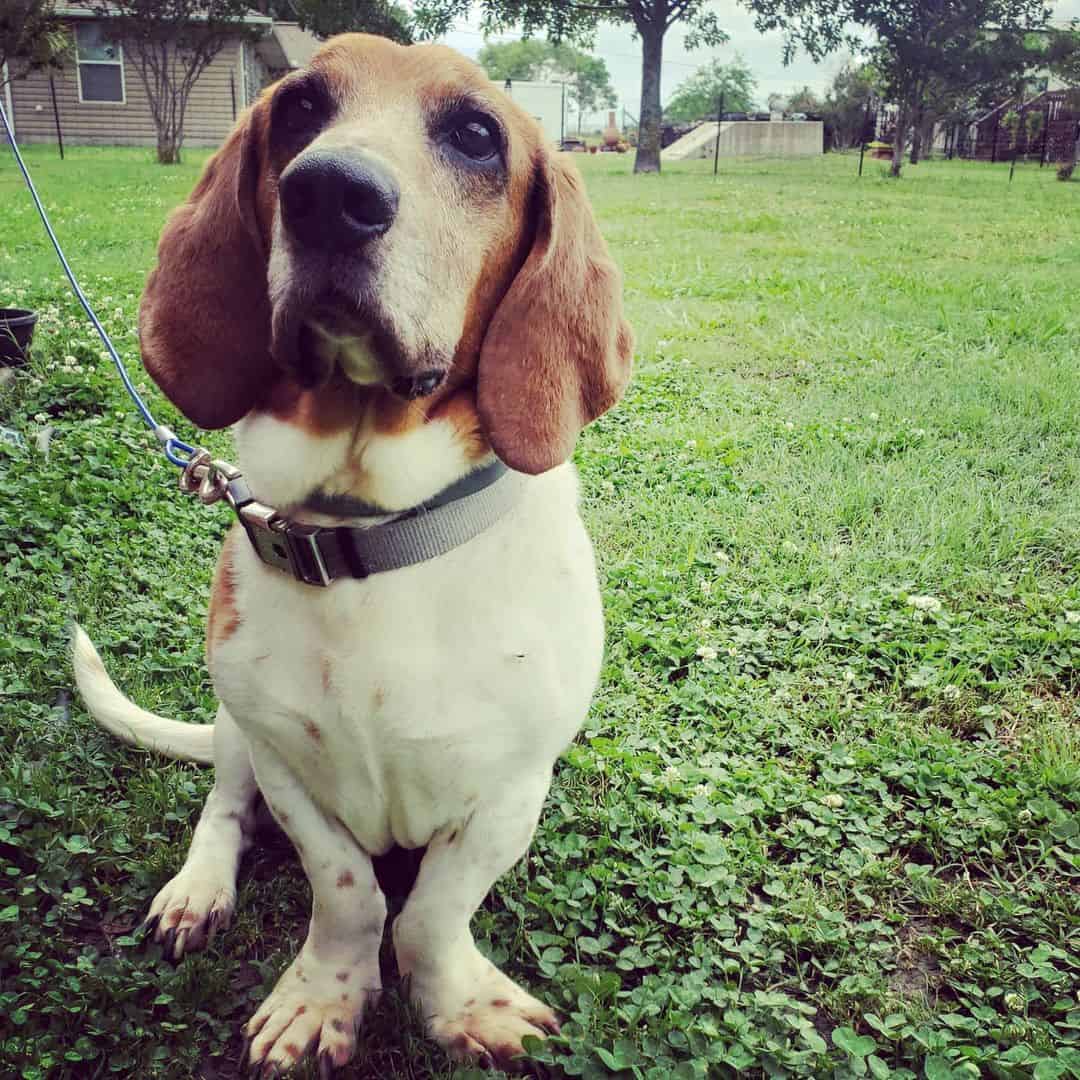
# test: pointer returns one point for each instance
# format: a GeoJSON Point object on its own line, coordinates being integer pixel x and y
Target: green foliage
{"type": "Point", "coordinates": [31, 38]}
{"type": "Point", "coordinates": [804, 100]}
{"type": "Point", "coordinates": [697, 97]}
{"type": "Point", "coordinates": [824, 817]}
{"type": "Point", "coordinates": [587, 77]}
{"type": "Point", "coordinates": [324, 18]}
{"type": "Point", "coordinates": [927, 57]}
{"type": "Point", "coordinates": [844, 108]}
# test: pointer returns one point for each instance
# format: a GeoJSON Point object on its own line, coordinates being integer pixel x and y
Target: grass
{"type": "Point", "coordinates": [824, 816]}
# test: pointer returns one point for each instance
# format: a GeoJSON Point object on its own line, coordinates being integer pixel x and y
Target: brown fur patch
{"type": "Point", "coordinates": [292, 1050]}
{"type": "Point", "coordinates": [223, 618]}
{"type": "Point", "coordinates": [346, 880]}
{"type": "Point", "coordinates": [500, 1003]}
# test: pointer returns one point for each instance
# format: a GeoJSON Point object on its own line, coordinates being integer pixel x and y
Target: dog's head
{"type": "Point", "coordinates": [390, 218]}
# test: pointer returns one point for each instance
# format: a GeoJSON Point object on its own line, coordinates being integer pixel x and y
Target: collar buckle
{"type": "Point", "coordinates": [285, 545]}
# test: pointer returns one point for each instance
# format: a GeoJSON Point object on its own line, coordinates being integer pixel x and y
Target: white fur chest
{"type": "Point", "coordinates": [400, 701]}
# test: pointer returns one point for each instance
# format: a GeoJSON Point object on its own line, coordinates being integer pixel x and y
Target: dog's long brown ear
{"type": "Point", "coordinates": [557, 353]}
{"type": "Point", "coordinates": [204, 322]}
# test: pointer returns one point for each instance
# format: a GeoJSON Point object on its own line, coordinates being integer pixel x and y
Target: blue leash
{"type": "Point", "coordinates": [178, 452]}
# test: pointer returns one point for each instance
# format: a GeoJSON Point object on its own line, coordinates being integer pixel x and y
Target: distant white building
{"type": "Point", "coordinates": [546, 102]}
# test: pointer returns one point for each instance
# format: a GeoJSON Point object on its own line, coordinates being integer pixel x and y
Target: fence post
{"type": "Point", "coordinates": [719, 121]}
{"type": "Point", "coordinates": [56, 117]}
{"type": "Point", "coordinates": [862, 135]}
{"type": "Point", "coordinates": [1046, 134]}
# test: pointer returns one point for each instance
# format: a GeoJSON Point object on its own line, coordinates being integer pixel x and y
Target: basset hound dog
{"type": "Point", "coordinates": [386, 281]}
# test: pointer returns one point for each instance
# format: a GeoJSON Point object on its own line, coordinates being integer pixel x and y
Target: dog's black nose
{"type": "Point", "coordinates": [337, 200]}
{"type": "Point", "coordinates": [417, 386]}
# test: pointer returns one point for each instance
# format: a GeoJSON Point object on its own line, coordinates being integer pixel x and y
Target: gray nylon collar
{"type": "Point", "coordinates": [322, 554]}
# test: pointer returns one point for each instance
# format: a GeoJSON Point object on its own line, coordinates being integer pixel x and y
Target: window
{"type": "Point", "coordinates": [101, 65]}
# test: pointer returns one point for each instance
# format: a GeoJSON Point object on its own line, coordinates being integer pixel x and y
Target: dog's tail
{"type": "Point", "coordinates": [122, 717]}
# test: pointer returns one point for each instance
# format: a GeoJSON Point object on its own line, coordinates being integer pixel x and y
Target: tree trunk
{"type": "Point", "coordinates": [899, 139]}
{"type": "Point", "coordinates": [647, 159]}
{"type": "Point", "coordinates": [916, 141]}
{"type": "Point", "coordinates": [168, 146]}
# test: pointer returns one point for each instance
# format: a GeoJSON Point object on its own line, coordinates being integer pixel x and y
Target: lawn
{"type": "Point", "coordinates": [824, 817]}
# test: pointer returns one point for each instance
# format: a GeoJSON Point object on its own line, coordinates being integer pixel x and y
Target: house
{"type": "Point", "coordinates": [544, 102]}
{"type": "Point", "coordinates": [285, 48]}
{"type": "Point", "coordinates": [99, 98]}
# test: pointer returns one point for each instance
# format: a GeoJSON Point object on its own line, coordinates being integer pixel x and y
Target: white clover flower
{"type": "Point", "coordinates": [834, 802]}
{"type": "Point", "coordinates": [671, 773]}
{"type": "Point", "coordinates": [789, 425]}
{"type": "Point", "coordinates": [707, 652]}
{"type": "Point", "coordinates": [919, 432]}
{"type": "Point", "coordinates": [705, 624]}
{"type": "Point", "coordinates": [951, 693]}
{"type": "Point", "coordinates": [1014, 1002]}
{"type": "Point", "coordinates": [69, 359]}
{"type": "Point", "coordinates": [1072, 617]}
{"type": "Point", "coordinates": [701, 789]}
{"type": "Point", "coordinates": [706, 586]}
{"type": "Point", "coordinates": [41, 418]}
{"type": "Point", "coordinates": [925, 603]}
{"type": "Point", "coordinates": [732, 650]}
{"type": "Point", "coordinates": [872, 416]}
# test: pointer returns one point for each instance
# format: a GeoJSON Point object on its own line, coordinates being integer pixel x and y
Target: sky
{"type": "Point", "coordinates": [762, 52]}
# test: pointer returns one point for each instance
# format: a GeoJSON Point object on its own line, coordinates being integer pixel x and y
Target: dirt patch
{"type": "Point", "coordinates": [917, 973]}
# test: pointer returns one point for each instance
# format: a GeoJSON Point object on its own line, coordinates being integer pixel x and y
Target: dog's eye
{"type": "Point", "coordinates": [299, 112]}
{"type": "Point", "coordinates": [475, 139]}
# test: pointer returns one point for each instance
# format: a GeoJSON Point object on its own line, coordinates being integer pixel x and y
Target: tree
{"type": "Point", "coordinates": [31, 38]}
{"type": "Point", "coordinates": [587, 77]}
{"type": "Point", "coordinates": [170, 44]}
{"type": "Point", "coordinates": [803, 100]}
{"type": "Point", "coordinates": [576, 21]}
{"type": "Point", "coordinates": [1063, 55]}
{"type": "Point", "coordinates": [697, 97]}
{"type": "Point", "coordinates": [917, 43]}
{"type": "Point", "coordinates": [844, 108]}
{"type": "Point", "coordinates": [325, 18]}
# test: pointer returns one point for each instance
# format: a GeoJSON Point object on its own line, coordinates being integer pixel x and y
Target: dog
{"type": "Point", "coordinates": [388, 283]}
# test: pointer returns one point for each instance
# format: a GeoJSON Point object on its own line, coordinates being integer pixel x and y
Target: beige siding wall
{"type": "Point", "coordinates": [209, 111]}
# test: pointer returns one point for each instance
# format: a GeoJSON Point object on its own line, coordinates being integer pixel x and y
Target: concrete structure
{"type": "Point", "coordinates": [100, 96]}
{"type": "Point", "coordinates": [749, 138]}
{"type": "Point", "coordinates": [543, 101]}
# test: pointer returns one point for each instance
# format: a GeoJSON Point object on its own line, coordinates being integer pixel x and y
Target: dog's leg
{"type": "Point", "coordinates": [200, 900]}
{"type": "Point", "coordinates": [318, 1002]}
{"type": "Point", "coordinates": [472, 1009]}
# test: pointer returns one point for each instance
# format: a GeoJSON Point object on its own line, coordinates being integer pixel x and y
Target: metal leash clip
{"type": "Point", "coordinates": [208, 478]}
{"type": "Point", "coordinates": [285, 545]}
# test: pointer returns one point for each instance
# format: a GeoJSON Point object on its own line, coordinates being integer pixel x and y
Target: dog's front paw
{"type": "Point", "coordinates": [478, 1014]}
{"type": "Point", "coordinates": [190, 909]}
{"type": "Point", "coordinates": [314, 1008]}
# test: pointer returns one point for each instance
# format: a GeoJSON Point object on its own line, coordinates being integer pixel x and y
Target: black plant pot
{"type": "Point", "coordinates": [16, 331]}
